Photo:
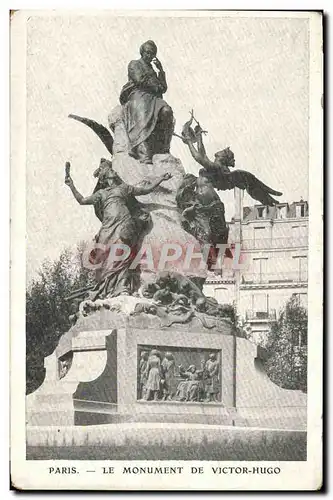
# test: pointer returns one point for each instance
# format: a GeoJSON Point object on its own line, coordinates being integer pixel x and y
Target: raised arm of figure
{"type": "Point", "coordinates": [161, 74]}
{"type": "Point", "coordinates": [89, 200]}
{"type": "Point", "coordinates": [200, 157]}
{"type": "Point", "coordinates": [138, 190]}
{"type": "Point", "coordinates": [190, 137]}
{"type": "Point", "coordinates": [143, 80]}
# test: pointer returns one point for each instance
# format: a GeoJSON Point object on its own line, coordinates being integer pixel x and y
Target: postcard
{"type": "Point", "coordinates": [167, 250]}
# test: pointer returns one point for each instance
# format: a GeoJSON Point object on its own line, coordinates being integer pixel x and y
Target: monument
{"type": "Point", "coordinates": [146, 345]}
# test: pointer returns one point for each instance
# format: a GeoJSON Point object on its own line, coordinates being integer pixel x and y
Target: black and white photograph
{"type": "Point", "coordinates": [167, 249]}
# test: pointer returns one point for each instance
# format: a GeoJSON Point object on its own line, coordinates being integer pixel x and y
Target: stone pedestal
{"type": "Point", "coordinates": [101, 386]}
{"type": "Point", "coordinates": [94, 359]}
{"type": "Point", "coordinates": [261, 402]}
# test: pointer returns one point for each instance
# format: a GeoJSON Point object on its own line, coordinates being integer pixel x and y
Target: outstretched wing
{"type": "Point", "coordinates": [245, 180]}
{"type": "Point", "coordinates": [102, 132]}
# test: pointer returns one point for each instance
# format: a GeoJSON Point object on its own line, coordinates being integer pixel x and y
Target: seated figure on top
{"type": "Point", "coordinates": [147, 117]}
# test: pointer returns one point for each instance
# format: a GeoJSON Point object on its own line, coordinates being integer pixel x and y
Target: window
{"type": "Point", "coordinates": [302, 299]}
{"type": "Point", "coordinates": [260, 269]}
{"type": "Point", "coordinates": [295, 234]}
{"type": "Point", "coordinates": [299, 235]}
{"type": "Point", "coordinates": [300, 210]}
{"type": "Point", "coordinates": [301, 268]}
{"type": "Point", "coordinates": [260, 211]}
{"type": "Point", "coordinates": [260, 305]}
{"type": "Point", "coordinates": [259, 236]}
{"type": "Point", "coordinates": [281, 212]}
{"type": "Point", "coordinates": [223, 295]}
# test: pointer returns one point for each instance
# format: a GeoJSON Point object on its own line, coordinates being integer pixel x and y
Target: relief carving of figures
{"type": "Point", "coordinates": [154, 376]}
{"type": "Point", "coordinates": [169, 379]}
{"type": "Point", "coordinates": [143, 374]}
{"type": "Point", "coordinates": [162, 376]}
{"type": "Point", "coordinates": [212, 374]}
{"type": "Point", "coordinates": [191, 388]}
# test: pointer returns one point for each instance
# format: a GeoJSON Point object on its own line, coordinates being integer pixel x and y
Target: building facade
{"type": "Point", "coordinates": [274, 248]}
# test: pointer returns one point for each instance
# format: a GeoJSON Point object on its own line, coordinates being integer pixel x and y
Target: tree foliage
{"type": "Point", "coordinates": [286, 363]}
{"type": "Point", "coordinates": [47, 311]}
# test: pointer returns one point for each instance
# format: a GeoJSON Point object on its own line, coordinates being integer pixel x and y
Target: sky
{"type": "Point", "coordinates": [246, 79]}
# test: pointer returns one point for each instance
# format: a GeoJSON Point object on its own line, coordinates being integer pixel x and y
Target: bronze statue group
{"type": "Point", "coordinates": [149, 124]}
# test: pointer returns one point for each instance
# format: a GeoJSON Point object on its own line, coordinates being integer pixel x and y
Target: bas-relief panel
{"type": "Point", "coordinates": [178, 374]}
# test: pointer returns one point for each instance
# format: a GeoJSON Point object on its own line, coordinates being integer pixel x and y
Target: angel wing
{"type": "Point", "coordinates": [102, 132]}
{"type": "Point", "coordinates": [245, 180]}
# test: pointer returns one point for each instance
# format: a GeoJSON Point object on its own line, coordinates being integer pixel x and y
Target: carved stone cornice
{"type": "Point", "coordinates": [272, 286]}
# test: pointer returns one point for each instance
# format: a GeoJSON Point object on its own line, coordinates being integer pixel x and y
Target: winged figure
{"type": "Point", "coordinates": [218, 171]}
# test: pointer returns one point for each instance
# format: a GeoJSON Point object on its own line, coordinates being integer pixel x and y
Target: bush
{"type": "Point", "coordinates": [229, 311]}
{"type": "Point", "coordinates": [47, 311]}
{"type": "Point", "coordinates": [286, 348]}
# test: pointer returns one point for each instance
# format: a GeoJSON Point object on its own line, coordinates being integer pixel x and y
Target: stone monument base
{"type": "Point", "coordinates": [93, 377]}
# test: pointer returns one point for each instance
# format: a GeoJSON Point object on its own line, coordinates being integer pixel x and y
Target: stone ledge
{"type": "Point", "coordinates": [184, 403]}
